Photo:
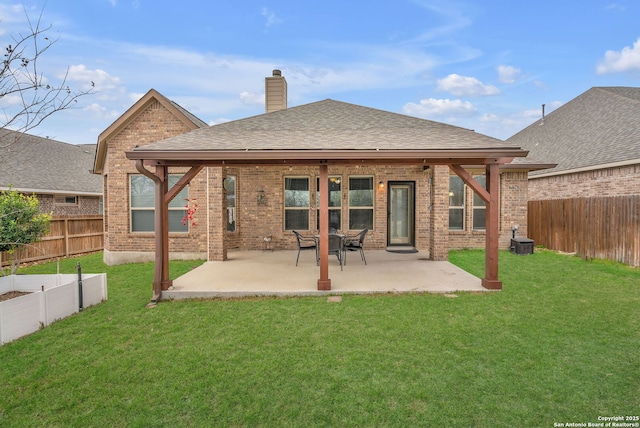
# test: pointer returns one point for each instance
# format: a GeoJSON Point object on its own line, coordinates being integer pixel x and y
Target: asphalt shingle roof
{"type": "Point", "coordinates": [36, 163]}
{"type": "Point", "coordinates": [600, 126]}
{"type": "Point", "coordinates": [328, 125]}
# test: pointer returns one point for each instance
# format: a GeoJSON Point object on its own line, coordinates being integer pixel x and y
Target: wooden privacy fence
{"type": "Point", "coordinates": [67, 236]}
{"type": "Point", "coordinates": [598, 227]}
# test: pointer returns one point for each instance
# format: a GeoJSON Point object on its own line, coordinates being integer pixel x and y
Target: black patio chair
{"type": "Point", "coordinates": [335, 247]}
{"type": "Point", "coordinates": [306, 243]}
{"type": "Point", "coordinates": [355, 243]}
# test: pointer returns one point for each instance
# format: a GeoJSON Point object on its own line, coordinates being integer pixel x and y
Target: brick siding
{"type": "Point", "coordinates": [256, 219]}
{"type": "Point", "coordinates": [619, 181]}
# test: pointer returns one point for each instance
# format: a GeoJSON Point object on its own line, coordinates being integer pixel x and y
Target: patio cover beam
{"type": "Point", "coordinates": [492, 225]}
{"type": "Point", "coordinates": [328, 157]}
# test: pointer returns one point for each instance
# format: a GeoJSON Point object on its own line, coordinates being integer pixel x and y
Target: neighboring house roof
{"type": "Point", "coordinates": [39, 165]}
{"type": "Point", "coordinates": [595, 130]}
{"type": "Point", "coordinates": [325, 129]}
{"type": "Point", "coordinates": [189, 119]}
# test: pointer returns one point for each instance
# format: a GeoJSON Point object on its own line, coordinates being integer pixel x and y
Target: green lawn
{"type": "Point", "coordinates": [560, 343]}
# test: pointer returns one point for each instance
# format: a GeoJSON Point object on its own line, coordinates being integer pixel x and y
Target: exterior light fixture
{"type": "Point", "coordinates": [381, 185]}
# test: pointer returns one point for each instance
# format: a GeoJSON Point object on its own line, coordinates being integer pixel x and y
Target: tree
{"type": "Point", "coordinates": [27, 96]}
{"type": "Point", "coordinates": [21, 224]}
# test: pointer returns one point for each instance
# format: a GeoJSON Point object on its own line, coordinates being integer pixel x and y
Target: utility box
{"type": "Point", "coordinates": [521, 246]}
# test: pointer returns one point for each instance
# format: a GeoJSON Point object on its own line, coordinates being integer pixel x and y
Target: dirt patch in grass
{"type": "Point", "coordinates": [12, 295]}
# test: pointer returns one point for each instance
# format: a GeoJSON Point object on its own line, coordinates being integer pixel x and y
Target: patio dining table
{"type": "Point", "coordinates": [317, 238]}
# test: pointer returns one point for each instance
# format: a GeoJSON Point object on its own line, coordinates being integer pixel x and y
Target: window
{"type": "Point", "coordinates": [335, 202]}
{"type": "Point", "coordinates": [142, 191]}
{"type": "Point", "coordinates": [360, 203]}
{"type": "Point", "coordinates": [479, 206]}
{"type": "Point", "coordinates": [296, 203]}
{"type": "Point", "coordinates": [230, 188]}
{"type": "Point", "coordinates": [456, 203]}
{"type": "Point", "coordinates": [66, 200]}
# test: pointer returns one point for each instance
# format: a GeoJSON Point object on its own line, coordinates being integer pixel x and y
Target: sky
{"type": "Point", "coordinates": [484, 65]}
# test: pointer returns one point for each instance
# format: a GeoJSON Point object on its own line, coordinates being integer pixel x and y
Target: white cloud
{"type": "Point", "coordinates": [616, 6]}
{"type": "Point", "coordinates": [508, 74]}
{"type": "Point", "coordinates": [431, 107]}
{"type": "Point", "coordinates": [271, 17]}
{"type": "Point", "coordinates": [218, 121]}
{"type": "Point", "coordinates": [100, 78]}
{"type": "Point", "coordinates": [100, 111]}
{"type": "Point", "coordinates": [490, 117]}
{"type": "Point", "coordinates": [251, 98]}
{"type": "Point", "coordinates": [461, 86]}
{"type": "Point", "coordinates": [628, 59]}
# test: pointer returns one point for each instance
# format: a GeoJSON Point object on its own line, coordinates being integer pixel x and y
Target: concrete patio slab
{"type": "Point", "coordinates": [256, 273]}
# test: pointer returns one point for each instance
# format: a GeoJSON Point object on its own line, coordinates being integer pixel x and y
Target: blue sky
{"type": "Point", "coordinates": [485, 65]}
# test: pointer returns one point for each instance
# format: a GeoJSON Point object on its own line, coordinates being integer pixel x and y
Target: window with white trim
{"type": "Point", "coordinates": [142, 202]}
{"type": "Point", "coordinates": [230, 188]}
{"type": "Point", "coordinates": [335, 202]}
{"type": "Point", "coordinates": [296, 203]}
{"type": "Point", "coordinates": [65, 200]}
{"type": "Point", "coordinates": [361, 197]}
{"type": "Point", "coordinates": [479, 205]}
{"type": "Point", "coordinates": [456, 203]}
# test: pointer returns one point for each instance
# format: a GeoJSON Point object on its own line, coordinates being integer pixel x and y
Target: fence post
{"type": "Point", "coordinates": [79, 287]}
{"type": "Point", "coordinates": [66, 237]}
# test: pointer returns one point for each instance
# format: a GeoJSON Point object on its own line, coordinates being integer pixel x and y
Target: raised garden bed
{"type": "Point", "coordinates": [38, 300]}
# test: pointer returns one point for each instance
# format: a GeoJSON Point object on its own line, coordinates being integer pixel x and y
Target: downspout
{"type": "Point", "coordinates": [159, 241]}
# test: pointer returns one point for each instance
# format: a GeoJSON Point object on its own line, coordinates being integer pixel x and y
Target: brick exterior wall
{"type": "Point", "coordinates": [255, 220]}
{"type": "Point", "coordinates": [439, 221]}
{"type": "Point", "coordinates": [513, 211]}
{"type": "Point", "coordinates": [619, 181]}
{"type": "Point", "coordinates": [208, 237]}
{"type": "Point", "coordinates": [121, 246]}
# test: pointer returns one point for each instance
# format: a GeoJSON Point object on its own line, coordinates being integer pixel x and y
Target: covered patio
{"type": "Point", "coordinates": [273, 273]}
{"type": "Point", "coordinates": [319, 136]}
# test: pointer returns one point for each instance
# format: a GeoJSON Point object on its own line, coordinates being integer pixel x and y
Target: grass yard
{"type": "Point", "coordinates": [560, 344]}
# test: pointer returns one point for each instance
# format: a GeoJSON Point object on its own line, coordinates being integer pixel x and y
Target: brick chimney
{"type": "Point", "coordinates": [275, 92]}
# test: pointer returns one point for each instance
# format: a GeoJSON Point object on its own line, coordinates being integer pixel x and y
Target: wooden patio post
{"type": "Point", "coordinates": [492, 225]}
{"type": "Point", "coordinates": [164, 229]}
{"type": "Point", "coordinates": [324, 282]}
{"type": "Point", "coordinates": [159, 267]}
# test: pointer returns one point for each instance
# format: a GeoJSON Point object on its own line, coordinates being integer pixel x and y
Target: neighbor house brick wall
{"type": "Point", "coordinates": [87, 205]}
{"type": "Point", "coordinates": [151, 124]}
{"type": "Point", "coordinates": [619, 181]}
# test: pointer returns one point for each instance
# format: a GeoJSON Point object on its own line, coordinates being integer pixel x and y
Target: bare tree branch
{"type": "Point", "coordinates": [27, 95]}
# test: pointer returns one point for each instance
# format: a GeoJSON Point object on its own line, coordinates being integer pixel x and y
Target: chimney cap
{"type": "Point", "coordinates": [277, 72]}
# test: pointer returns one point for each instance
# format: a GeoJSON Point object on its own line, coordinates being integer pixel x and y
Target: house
{"type": "Point", "coordinates": [175, 188]}
{"type": "Point", "coordinates": [59, 174]}
{"type": "Point", "coordinates": [589, 202]}
{"type": "Point", "coordinates": [595, 141]}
